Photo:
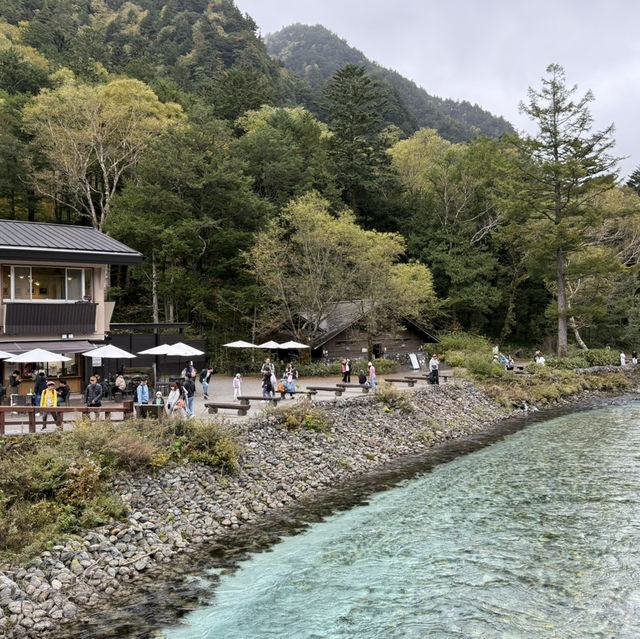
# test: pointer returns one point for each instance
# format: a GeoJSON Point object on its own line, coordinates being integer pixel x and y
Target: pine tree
{"type": "Point", "coordinates": [565, 167]}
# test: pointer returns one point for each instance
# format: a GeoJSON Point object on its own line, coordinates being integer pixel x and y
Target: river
{"type": "Point", "coordinates": [537, 535]}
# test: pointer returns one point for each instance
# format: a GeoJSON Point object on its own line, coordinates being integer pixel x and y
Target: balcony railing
{"type": "Point", "coordinates": [34, 318]}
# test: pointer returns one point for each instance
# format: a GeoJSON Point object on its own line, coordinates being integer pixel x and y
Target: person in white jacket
{"type": "Point", "coordinates": [434, 366]}
{"type": "Point", "coordinates": [176, 402]}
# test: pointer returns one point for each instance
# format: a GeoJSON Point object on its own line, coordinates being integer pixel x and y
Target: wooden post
{"type": "Point", "coordinates": [128, 408]}
{"type": "Point", "coordinates": [2, 414]}
{"type": "Point", "coordinates": [59, 419]}
{"type": "Point", "coordinates": [32, 419]}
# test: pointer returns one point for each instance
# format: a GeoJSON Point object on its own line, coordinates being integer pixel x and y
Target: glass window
{"type": "Point", "coordinates": [22, 282]}
{"type": "Point", "coordinates": [88, 283]}
{"type": "Point", "coordinates": [6, 282]}
{"type": "Point", "coordinates": [48, 283]}
{"type": "Point", "coordinates": [40, 283]}
{"type": "Point", "coordinates": [74, 284]}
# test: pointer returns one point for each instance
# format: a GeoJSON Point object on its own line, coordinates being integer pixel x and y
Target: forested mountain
{"type": "Point", "coordinates": [169, 125]}
{"type": "Point", "coordinates": [179, 47]}
{"type": "Point", "coordinates": [315, 54]}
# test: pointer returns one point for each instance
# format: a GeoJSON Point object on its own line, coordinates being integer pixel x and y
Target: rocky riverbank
{"type": "Point", "coordinates": [183, 507]}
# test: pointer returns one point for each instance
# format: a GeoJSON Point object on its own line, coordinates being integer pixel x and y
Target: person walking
{"type": "Point", "coordinates": [372, 376]}
{"type": "Point", "coordinates": [49, 399]}
{"type": "Point", "coordinates": [39, 387]}
{"type": "Point", "coordinates": [190, 371]}
{"type": "Point", "coordinates": [623, 359]}
{"type": "Point", "coordinates": [93, 393]}
{"type": "Point", "coordinates": [189, 387]}
{"type": "Point", "coordinates": [268, 366]}
{"type": "Point", "coordinates": [434, 370]}
{"type": "Point", "coordinates": [634, 357]}
{"type": "Point", "coordinates": [349, 368]}
{"type": "Point", "coordinates": [344, 371]}
{"type": "Point", "coordinates": [175, 401]}
{"type": "Point", "coordinates": [205, 376]}
{"type": "Point", "coordinates": [267, 385]}
{"type": "Point", "coordinates": [237, 386]}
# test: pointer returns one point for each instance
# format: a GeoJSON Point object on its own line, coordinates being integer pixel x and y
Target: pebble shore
{"type": "Point", "coordinates": [182, 507]}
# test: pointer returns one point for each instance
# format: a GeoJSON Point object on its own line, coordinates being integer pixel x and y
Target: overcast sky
{"type": "Point", "coordinates": [490, 51]}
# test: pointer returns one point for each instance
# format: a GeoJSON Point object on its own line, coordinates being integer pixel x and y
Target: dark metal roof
{"type": "Point", "coordinates": [39, 242]}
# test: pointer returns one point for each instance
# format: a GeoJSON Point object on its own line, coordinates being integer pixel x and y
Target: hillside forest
{"type": "Point", "coordinates": [265, 190]}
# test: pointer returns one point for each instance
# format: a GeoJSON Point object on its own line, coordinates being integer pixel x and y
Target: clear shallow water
{"type": "Point", "coordinates": [535, 536]}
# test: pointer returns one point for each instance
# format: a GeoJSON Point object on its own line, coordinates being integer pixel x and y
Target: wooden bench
{"type": "Point", "coordinates": [307, 392]}
{"type": "Point", "coordinates": [396, 380]}
{"type": "Point", "coordinates": [245, 399]}
{"type": "Point", "coordinates": [150, 410]}
{"type": "Point", "coordinates": [426, 378]}
{"type": "Point", "coordinates": [365, 387]}
{"type": "Point", "coordinates": [213, 407]}
{"type": "Point", "coordinates": [338, 390]}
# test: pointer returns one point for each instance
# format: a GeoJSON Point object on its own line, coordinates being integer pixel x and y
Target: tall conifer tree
{"type": "Point", "coordinates": [565, 167]}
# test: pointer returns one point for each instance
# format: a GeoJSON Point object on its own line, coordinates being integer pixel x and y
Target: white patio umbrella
{"type": "Point", "coordinates": [4, 354]}
{"type": "Point", "coordinates": [239, 344]}
{"type": "Point", "coordinates": [184, 350]}
{"type": "Point", "coordinates": [161, 349]}
{"type": "Point", "coordinates": [177, 350]}
{"type": "Point", "coordinates": [38, 355]}
{"type": "Point", "coordinates": [293, 344]}
{"type": "Point", "coordinates": [269, 344]}
{"type": "Point", "coordinates": [109, 352]}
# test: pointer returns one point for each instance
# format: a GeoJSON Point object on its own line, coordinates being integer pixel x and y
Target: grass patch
{"type": "Point", "coordinates": [302, 414]}
{"type": "Point", "coordinates": [57, 484]}
{"type": "Point", "coordinates": [393, 398]}
{"type": "Point", "coordinates": [548, 385]}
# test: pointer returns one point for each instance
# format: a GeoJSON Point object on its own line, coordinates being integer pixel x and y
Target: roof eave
{"type": "Point", "coordinates": [65, 255]}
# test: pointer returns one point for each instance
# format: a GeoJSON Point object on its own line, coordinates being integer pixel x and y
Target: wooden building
{"type": "Point", "coordinates": [342, 335]}
{"type": "Point", "coordinates": [52, 283]}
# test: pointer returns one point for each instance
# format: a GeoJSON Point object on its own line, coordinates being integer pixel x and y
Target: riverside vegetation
{"type": "Point", "coordinates": [88, 514]}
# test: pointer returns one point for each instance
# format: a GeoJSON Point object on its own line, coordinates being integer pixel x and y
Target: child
{"type": "Point", "coordinates": [158, 401]}
{"type": "Point", "coordinates": [237, 386]}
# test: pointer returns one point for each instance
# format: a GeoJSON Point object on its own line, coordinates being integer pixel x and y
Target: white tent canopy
{"type": "Point", "coordinates": [4, 355]}
{"type": "Point", "coordinates": [293, 344]}
{"type": "Point", "coordinates": [269, 344]}
{"type": "Point", "coordinates": [239, 344]}
{"type": "Point", "coordinates": [38, 355]}
{"type": "Point", "coordinates": [109, 352]}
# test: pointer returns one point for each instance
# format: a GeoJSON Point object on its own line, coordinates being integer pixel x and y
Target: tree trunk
{"type": "Point", "coordinates": [154, 288]}
{"type": "Point", "coordinates": [576, 333]}
{"type": "Point", "coordinates": [562, 303]}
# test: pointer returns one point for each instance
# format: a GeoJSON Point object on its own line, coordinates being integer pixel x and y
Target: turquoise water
{"type": "Point", "coordinates": [537, 535]}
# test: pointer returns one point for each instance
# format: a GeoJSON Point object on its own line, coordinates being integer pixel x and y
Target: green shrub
{"type": "Point", "coordinates": [482, 366]}
{"type": "Point", "coordinates": [602, 357]}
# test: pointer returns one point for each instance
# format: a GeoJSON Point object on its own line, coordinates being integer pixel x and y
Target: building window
{"type": "Point", "coordinates": [45, 284]}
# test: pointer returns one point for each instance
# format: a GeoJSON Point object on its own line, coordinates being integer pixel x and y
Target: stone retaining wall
{"type": "Point", "coordinates": [184, 506]}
